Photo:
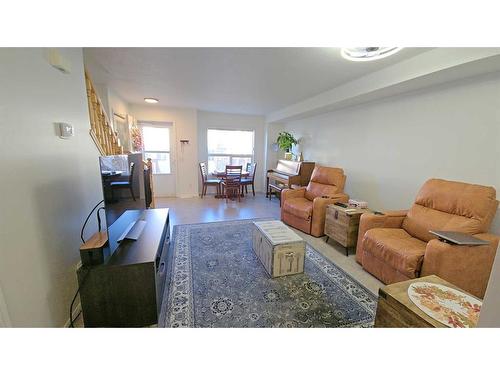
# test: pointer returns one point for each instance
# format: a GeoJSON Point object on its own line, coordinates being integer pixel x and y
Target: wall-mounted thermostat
{"type": "Point", "coordinates": [65, 130]}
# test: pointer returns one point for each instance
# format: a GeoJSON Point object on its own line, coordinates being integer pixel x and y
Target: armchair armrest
{"type": "Point", "coordinates": [319, 211]}
{"type": "Point", "coordinates": [290, 194]}
{"type": "Point", "coordinates": [390, 219]}
{"type": "Point", "coordinates": [467, 267]}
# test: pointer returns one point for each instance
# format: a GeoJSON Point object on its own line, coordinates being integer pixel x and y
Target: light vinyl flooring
{"type": "Point", "coordinates": [210, 209]}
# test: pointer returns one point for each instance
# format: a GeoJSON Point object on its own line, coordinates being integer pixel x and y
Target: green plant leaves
{"type": "Point", "coordinates": [285, 141]}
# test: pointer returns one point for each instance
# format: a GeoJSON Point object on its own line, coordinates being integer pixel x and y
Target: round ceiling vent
{"type": "Point", "coordinates": [368, 53]}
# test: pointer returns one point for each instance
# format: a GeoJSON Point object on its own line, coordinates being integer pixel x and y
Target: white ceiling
{"type": "Point", "coordinates": [233, 80]}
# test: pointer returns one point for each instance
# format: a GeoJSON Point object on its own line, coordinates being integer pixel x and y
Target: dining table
{"type": "Point", "coordinates": [221, 175]}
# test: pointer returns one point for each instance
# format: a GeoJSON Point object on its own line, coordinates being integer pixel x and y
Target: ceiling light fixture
{"type": "Point", "coordinates": [151, 100]}
{"type": "Point", "coordinates": [368, 53]}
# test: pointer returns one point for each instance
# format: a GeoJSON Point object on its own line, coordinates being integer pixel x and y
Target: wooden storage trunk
{"type": "Point", "coordinates": [280, 249]}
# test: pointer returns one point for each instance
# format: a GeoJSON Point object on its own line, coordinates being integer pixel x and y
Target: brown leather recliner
{"type": "Point", "coordinates": [305, 208]}
{"type": "Point", "coordinates": [397, 246]}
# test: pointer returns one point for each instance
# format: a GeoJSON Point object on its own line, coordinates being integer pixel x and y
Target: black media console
{"type": "Point", "coordinates": [126, 290]}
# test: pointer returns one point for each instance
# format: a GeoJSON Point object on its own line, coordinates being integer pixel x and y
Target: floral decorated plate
{"type": "Point", "coordinates": [447, 305]}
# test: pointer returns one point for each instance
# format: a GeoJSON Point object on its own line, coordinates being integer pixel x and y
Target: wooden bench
{"type": "Point", "coordinates": [276, 190]}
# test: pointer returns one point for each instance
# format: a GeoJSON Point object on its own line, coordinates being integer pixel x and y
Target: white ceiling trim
{"type": "Point", "coordinates": [436, 66]}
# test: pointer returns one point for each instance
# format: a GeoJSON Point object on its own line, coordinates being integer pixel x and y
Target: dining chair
{"type": "Point", "coordinates": [117, 185]}
{"type": "Point", "coordinates": [206, 181]}
{"type": "Point", "coordinates": [231, 183]}
{"type": "Point", "coordinates": [250, 180]}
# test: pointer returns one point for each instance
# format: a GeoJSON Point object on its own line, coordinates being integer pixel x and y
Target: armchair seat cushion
{"type": "Point", "coordinates": [396, 248]}
{"type": "Point", "coordinates": [299, 207]}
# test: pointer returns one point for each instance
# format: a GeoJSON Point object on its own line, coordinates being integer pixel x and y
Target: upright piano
{"type": "Point", "coordinates": [288, 173]}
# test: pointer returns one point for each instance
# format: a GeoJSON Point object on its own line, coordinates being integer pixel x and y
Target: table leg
{"type": "Point", "coordinates": [219, 194]}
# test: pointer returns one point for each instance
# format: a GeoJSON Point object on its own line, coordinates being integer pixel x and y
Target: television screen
{"type": "Point", "coordinates": [120, 176]}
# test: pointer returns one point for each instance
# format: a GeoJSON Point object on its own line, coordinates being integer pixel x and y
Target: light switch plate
{"type": "Point", "coordinates": [65, 130]}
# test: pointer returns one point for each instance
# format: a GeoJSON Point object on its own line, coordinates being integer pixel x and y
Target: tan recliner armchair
{"type": "Point", "coordinates": [397, 246]}
{"type": "Point", "coordinates": [305, 208]}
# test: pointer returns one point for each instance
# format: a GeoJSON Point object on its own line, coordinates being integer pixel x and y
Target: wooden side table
{"type": "Point", "coordinates": [342, 224]}
{"type": "Point", "coordinates": [396, 310]}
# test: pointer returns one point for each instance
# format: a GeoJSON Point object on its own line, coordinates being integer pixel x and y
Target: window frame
{"type": "Point", "coordinates": [231, 156]}
{"type": "Point", "coordinates": [169, 127]}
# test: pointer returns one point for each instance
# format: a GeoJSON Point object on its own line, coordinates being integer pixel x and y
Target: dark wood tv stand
{"type": "Point", "coordinates": [126, 290]}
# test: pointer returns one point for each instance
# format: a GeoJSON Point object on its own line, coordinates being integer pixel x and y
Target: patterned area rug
{"type": "Point", "coordinates": [216, 280]}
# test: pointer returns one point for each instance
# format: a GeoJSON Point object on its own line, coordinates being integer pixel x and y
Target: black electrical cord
{"type": "Point", "coordinates": [71, 320]}
{"type": "Point", "coordinates": [88, 217]}
{"type": "Point", "coordinates": [99, 218]}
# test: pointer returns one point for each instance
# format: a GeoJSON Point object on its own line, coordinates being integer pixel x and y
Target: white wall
{"type": "Point", "coordinates": [48, 184]}
{"type": "Point", "coordinates": [4, 313]}
{"type": "Point", "coordinates": [185, 125]}
{"type": "Point", "coordinates": [389, 148]}
{"type": "Point", "coordinates": [272, 156]}
{"type": "Point", "coordinates": [111, 100]}
{"type": "Point", "coordinates": [113, 103]}
{"type": "Point", "coordinates": [216, 120]}
{"type": "Point", "coordinates": [116, 104]}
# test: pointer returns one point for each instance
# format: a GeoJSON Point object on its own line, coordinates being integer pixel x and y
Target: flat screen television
{"type": "Point", "coordinates": [120, 178]}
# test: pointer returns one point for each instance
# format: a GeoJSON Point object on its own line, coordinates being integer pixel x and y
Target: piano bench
{"type": "Point", "coordinates": [276, 190]}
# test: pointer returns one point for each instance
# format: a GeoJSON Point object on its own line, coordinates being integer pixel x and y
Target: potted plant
{"type": "Point", "coordinates": [285, 142]}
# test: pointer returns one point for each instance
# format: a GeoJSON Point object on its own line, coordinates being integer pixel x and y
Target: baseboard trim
{"type": "Point", "coordinates": [187, 195]}
{"type": "Point", "coordinates": [192, 195]}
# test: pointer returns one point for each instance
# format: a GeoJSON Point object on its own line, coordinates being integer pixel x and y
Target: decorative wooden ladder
{"type": "Point", "coordinates": [106, 139]}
